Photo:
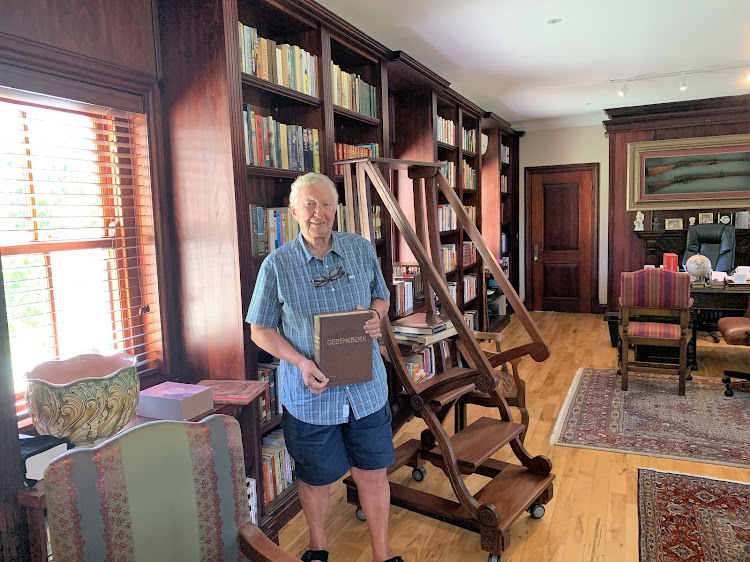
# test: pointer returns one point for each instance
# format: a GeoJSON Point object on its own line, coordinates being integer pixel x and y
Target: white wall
{"type": "Point", "coordinates": [572, 145]}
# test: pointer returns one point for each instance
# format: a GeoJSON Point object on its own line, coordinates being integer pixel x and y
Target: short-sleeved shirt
{"type": "Point", "coordinates": [286, 298]}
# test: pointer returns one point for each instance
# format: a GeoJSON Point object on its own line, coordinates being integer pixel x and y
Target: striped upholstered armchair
{"type": "Point", "coordinates": [664, 296]}
{"type": "Point", "coordinates": [159, 491]}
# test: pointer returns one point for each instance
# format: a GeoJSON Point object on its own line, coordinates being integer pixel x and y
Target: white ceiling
{"type": "Point", "coordinates": [504, 56]}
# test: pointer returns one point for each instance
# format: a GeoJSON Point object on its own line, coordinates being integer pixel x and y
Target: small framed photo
{"type": "Point", "coordinates": [672, 224]}
{"type": "Point", "coordinates": [705, 218]}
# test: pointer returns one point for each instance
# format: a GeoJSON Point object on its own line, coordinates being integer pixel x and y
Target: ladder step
{"type": "Point", "coordinates": [513, 490]}
{"type": "Point", "coordinates": [480, 440]}
{"type": "Point", "coordinates": [452, 395]}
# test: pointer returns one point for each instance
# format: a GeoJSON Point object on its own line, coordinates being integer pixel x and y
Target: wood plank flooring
{"type": "Point", "coordinates": [593, 515]}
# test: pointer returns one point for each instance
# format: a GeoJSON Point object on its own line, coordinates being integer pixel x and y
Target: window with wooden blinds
{"type": "Point", "coordinates": [77, 235]}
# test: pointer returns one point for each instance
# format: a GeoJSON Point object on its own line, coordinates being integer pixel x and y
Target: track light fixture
{"type": "Point", "coordinates": [623, 83]}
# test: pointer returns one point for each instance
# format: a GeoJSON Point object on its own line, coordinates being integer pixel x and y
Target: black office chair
{"type": "Point", "coordinates": [716, 242]}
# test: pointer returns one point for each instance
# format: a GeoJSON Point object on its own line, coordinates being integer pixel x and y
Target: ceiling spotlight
{"type": "Point", "coordinates": [553, 21]}
{"type": "Point", "coordinates": [683, 83]}
{"type": "Point", "coordinates": [622, 92]}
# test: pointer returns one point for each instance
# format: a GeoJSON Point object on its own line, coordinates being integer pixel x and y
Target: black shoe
{"type": "Point", "coordinates": [394, 559]}
{"type": "Point", "coordinates": [311, 555]}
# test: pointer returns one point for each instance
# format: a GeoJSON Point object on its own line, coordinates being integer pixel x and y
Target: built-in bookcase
{"type": "Point", "coordinates": [500, 199]}
{"type": "Point", "coordinates": [216, 173]}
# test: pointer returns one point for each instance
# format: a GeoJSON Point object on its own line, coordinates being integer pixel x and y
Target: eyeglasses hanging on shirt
{"type": "Point", "coordinates": [325, 279]}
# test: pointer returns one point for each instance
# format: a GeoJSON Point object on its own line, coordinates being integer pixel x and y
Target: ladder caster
{"type": "Point", "coordinates": [494, 558]}
{"type": "Point", "coordinates": [728, 392]}
{"type": "Point", "coordinates": [361, 514]}
{"type": "Point", "coordinates": [689, 376]}
{"type": "Point", "coordinates": [536, 510]}
{"type": "Point", "coordinates": [419, 473]}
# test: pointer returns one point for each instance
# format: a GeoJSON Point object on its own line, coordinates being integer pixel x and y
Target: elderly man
{"type": "Point", "coordinates": [328, 431]}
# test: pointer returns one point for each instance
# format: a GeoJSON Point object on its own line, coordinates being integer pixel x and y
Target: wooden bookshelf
{"type": "Point", "coordinates": [213, 184]}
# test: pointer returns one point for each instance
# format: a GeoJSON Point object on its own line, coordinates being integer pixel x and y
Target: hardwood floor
{"type": "Point", "coordinates": [593, 515]}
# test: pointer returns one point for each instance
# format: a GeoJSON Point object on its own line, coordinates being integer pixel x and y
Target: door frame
{"type": "Point", "coordinates": [530, 171]}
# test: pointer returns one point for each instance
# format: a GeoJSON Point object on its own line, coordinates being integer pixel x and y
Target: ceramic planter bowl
{"type": "Point", "coordinates": [86, 399]}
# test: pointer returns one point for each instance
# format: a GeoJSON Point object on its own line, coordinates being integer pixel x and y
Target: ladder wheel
{"type": "Point", "coordinates": [419, 473]}
{"type": "Point", "coordinates": [728, 392]}
{"type": "Point", "coordinates": [689, 377]}
{"type": "Point", "coordinates": [725, 380]}
{"type": "Point", "coordinates": [536, 510]}
{"type": "Point", "coordinates": [361, 514]}
{"type": "Point", "coordinates": [494, 558]}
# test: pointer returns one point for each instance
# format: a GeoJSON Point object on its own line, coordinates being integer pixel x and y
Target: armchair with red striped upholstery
{"type": "Point", "coordinates": [663, 295]}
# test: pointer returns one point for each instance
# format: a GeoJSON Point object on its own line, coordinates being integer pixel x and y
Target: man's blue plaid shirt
{"type": "Point", "coordinates": [286, 298]}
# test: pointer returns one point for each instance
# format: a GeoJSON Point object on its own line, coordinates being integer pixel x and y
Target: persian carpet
{"type": "Point", "coordinates": [683, 518]}
{"type": "Point", "coordinates": [651, 419]}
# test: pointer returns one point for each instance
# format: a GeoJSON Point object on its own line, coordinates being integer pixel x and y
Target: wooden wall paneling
{"type": "Point", "coordinates": [491, 204]}
{"type": "Point", "coordinates": [696, 118]}
{"type": "Point", "coordinates": [119, 32]}
{"type": "Point", "coordinates": [203, 124]}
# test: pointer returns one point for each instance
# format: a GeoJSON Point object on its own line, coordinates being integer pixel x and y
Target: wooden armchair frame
{"type": "Point", "coordinates": [626, 340]}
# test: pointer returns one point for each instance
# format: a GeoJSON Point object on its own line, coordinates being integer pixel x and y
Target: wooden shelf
{"type": "Point", "coordinates": [446, 146]}
{"type": "Point", "coordinates": [355, 116]}
{"type": "Point", "coordinates": [469, 154]}
{"type": "Point", "coordinates": [269, 172]}
{"type": "Point", "coordinates": [276, 89]}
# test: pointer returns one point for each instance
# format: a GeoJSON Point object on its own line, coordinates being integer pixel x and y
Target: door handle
{"type": "Point", "coordinates": [536, 252]}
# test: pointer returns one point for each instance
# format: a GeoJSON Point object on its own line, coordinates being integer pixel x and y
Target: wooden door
{"type": "Point", "coordinates": [561, 219]}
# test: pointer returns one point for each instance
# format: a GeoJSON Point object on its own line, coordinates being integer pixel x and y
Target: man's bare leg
{"type": "Point", "coordinates": [375, 499]}
{"type": "Point", "coordinates": [314, 500]}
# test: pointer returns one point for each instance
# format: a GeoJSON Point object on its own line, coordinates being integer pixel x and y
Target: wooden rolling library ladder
{"type": "Point", "coordinates": [513, 488]}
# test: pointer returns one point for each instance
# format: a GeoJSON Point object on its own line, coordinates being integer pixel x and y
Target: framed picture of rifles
{"type": "Point", "coordinates": [695, 173]}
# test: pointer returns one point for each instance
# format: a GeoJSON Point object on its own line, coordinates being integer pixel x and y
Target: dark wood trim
{"type": "Point", "coordinates": [731, 109]}
{"type": "Point", "coordinates": [73, 67]}
{"type": "Point", "coordinates": [492, 121]}
{"type": "Point", "coordinates": [413, 64]}
{"type": "Point", "coordinates": [338, 26]}
{"type": "Point", "coordinates": [592, 167]}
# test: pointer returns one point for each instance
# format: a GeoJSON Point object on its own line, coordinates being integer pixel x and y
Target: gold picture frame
{"type": "Point", "coordinates": [692, 173]}
{"type": "Point", "coordinates": [705, 218]}
{"type": "Point", "coordinates": [673, 224]}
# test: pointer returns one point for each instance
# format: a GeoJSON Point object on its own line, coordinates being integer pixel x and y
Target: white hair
{"type": "Point", "coordinates": [311, 178]}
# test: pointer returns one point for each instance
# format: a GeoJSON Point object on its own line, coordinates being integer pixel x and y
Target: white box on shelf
{"type": "Point", "coordinates": [175, 401]}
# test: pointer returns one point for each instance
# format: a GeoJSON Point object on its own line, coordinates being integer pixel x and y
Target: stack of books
{"type": "Point", "coordinates": [417, 329]}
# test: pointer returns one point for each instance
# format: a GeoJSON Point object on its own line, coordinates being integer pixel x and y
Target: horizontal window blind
{"type": "Point", "coordinates": [77, 236]}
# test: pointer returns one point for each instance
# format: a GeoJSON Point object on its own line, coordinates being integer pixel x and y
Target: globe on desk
{"type": "Point", "coordinates": [699, 267]}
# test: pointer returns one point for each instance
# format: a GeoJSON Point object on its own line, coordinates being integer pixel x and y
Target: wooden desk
{"type": "Point", "coordinates": [34, 501]}
{"type": "Point", "coordinates": [733, 302]}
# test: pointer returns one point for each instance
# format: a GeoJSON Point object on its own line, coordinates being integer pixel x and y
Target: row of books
{"type": "Point", "coordinates": [351, 92]}
{"type": "Point", "coordinates": [471, 317]}
{"type": "Point", "coordinates": [503, 242]}
{"type": "Point", "coordinates": [277, 465]}
{"type": "Point", "coordinates": [377, 220]}
{"type": "Point", "coordinates": [446, 131]}
{"type": "Point", "coordinates": [270, 228]}
{"type": "Point", "coordinates": [252, 498]}
{"type": "Point", "coordinates": [503, 184]}
{"type": "Point", "coordinates": [286, 65]}
{"type": "Point", "coordinates": [470, 286]}
{"type": "Point", "coordinates": [471, 210]}
{"type": "Point", "coordinates": [469, 254]}
{"type": "Point", "coordinates": [469, 139]}
{"type": "Point", "coordinates": [348, 151]}
{"type": "Point", "coordinates": [271, 144]}
{"type": "Point", "coordinates": [468, 176]}
{"type": "Point", "coordinates": [449, 171]}
{"type": "Point", "coordinates": [450, 257]}
{"type": "Point", "coordinates": [269, 403]}
{"type": "Point", "coordinates": [504, 154]}
{"type": "Point", "coordinates": [403, 295]}
{"type": "Point", "coordinates": [447, 219]}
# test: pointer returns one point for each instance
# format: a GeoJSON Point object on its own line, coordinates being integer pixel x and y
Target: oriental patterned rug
{"type": "Point", "coordinates": [651, 419]}
{"type": "Point", "coordinates": [683, 518]}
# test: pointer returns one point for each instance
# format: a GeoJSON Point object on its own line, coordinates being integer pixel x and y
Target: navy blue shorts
{"type": "Point", "coordinates": [324, 453]}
